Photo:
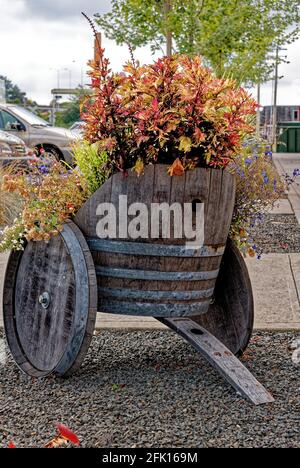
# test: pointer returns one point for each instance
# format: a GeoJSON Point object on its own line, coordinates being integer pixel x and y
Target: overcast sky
{"type": "Point", "coordinates": [39, 37]}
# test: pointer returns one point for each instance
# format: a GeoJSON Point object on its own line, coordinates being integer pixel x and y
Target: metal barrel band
{"type": "Point", "coordinates": [154, 250]}
{"type": "Point", "coordinates": [150, 295]}
{"type": "Point", "coordinates": [156, 275]}
{"type": "Point", "coordinates": [145, 309]}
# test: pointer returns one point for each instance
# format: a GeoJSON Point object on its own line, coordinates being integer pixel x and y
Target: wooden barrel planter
{"type": "Point", "coordinates": [160, 277]}
{"type": "Point", "coordinates": [53, 290]}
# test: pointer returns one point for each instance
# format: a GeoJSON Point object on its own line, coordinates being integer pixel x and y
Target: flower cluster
{"type": "Point", "coordinates": [50, 194]}
{"type": "Point", "coordinates": [258, 187]}
{"type": "Point", "coordinates": [174, 108]}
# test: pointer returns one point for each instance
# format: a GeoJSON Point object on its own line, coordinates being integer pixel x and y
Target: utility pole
{"type": "Point", "coordinates": [258, 111]}
{"type": "Point", "coordinates": [97, 46]}
{"type": "Point", "coordinates": [274, 123]}
{"type": "Point", "coordinates": [169, 35]}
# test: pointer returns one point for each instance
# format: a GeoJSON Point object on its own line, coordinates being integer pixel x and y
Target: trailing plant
{"type": "Point", "coordinates": [10, 204]}
{"type": "Point", "coordinates": [92, 163]}
{"type": "Point", "coordinates": [50, 195]}
{"type": "Point", "coordinates": [259, 186]}
{"type": "Point", "coordinates": [173, 109]}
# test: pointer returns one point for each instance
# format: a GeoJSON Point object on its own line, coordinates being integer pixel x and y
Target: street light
{"type": "Point", "coordinates": [57, 70]}
{"type": "Point", "coordinates": [70, 76]}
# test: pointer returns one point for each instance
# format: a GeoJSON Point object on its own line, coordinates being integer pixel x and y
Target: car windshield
{"type": "Point", "coordinates": [28, 116]}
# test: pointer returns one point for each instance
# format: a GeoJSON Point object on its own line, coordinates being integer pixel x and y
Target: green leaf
{"type": "Point", "coordinates": [185, 144]}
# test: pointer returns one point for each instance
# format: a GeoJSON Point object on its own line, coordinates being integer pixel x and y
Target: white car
{"type": "Point", "coordinates": [37, 133]}
{"type": "Point", "coordinates": [78, 127]}
{"type": "Point", "coordinates": [13, 150]}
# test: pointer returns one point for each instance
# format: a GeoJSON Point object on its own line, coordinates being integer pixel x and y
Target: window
{"type": "Point", "coordinates": [8, 121]}
{"type": "Point", "coordinates": [296, 115]}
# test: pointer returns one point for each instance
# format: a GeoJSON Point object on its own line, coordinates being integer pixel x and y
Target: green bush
{"type": "Point", "coordinates": [92, 164]}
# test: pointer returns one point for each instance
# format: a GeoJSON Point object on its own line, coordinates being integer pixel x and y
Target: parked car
{"type": "Point", "coordinates": [78, 127]}
{"type": "Point", "coordinates": [13, 150]}
{"type": "Point", "coordinates": [36, 132]}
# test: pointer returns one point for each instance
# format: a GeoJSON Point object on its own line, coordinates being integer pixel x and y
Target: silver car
{"type": "Point", "coordinates": [13, 150]}
{"type": "Point", "coordinates": [37, 133]}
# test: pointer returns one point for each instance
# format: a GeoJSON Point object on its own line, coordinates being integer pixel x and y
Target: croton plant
{"type": "Point", "coordinates": [173, 110]}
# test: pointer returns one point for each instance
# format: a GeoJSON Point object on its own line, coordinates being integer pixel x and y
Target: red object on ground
{"type": "Point", "coordinates": [68, 434]}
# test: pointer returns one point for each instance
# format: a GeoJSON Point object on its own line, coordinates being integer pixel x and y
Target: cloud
{"type": "Point", "coordinates": [64, 9]}
{"type": "Point", "coordinates": [39, 37]}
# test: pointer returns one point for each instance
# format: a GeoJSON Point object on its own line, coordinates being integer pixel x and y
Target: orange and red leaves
{"type": "Point", "coordinates": [176, 169]}
{"type": "Point", "coordinates": [64, 436]}
{"type": "Point", "coordinates": [68, 434]}
{"type": "Point", "coordinates": [175, 106]}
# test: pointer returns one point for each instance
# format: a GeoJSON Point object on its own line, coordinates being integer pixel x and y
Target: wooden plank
{"type": "Point", "coordinates": [222, 359]}
{"type": "Point", "coordinates": [140, 190]}
{"type": "Point", "coordinates": [86, 218]}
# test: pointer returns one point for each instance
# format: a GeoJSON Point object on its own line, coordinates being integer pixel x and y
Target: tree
{"type": "Point", "coordinates": [13, 93]}
{"type": "Point", "coordinates": [71, 110]}
{"type": "Point", "coordinates": [235, 37]}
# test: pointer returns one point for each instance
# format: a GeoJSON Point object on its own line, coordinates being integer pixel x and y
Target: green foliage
{"type": "Point", "coordinates": [14, 95]}
{"type": "Point", "coordinates": [236, 37]}
{"type": "Point", "coordinates": [71, 110]}
{"type": "Point", "coordinates": [91, 163]}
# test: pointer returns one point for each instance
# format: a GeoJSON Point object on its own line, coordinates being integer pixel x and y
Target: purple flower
{"type": "Point", "coordinates": [265, 177]}
{"type": "Point", "coordinates": [44, 169]}
{"type": "Point", "coordinates": [275, 185]}
{"type": "Point", "coordinates": [248, 162]}
{"type": "Point", "coordinates": [296, 173]}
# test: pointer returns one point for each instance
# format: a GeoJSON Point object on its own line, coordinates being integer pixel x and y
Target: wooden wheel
{"type": "Point", "coordinates": [231, 317]}
{"type": "Point", "coordinates": [50, 304]}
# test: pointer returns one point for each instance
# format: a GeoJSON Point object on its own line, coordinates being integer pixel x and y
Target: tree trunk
{"type": "Point", "coordinates": [169, 35]}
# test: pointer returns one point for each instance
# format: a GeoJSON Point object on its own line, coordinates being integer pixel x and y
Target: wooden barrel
{"type": "Point", "coordinates": [160, 277]}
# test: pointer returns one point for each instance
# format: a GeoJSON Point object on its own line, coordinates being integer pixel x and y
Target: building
{"type": "Point", "coordinates": [2, 91]}
{"type": "Point", "coordinates": [284, 114]}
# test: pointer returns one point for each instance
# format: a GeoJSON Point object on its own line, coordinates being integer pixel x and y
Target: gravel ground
{"type": "Point", "coordinates": [150, 389]}
{"type": "Point", "coordinates": [277, 234]}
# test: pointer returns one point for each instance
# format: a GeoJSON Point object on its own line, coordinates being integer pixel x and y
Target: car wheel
{"type": "Point", "coordinates": [51, 152]}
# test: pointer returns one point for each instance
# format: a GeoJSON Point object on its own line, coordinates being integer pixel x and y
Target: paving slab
{"type": "Point", "coordinates": [286, 163]}
{"type": "Point", "coordinates": [276, 294]}
{"type": "Point", "coordinates": [276, 286]}
{"type": "Point", "coordinates": [282, 207]}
